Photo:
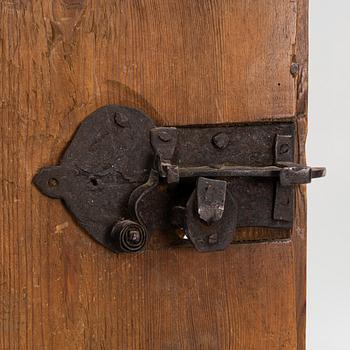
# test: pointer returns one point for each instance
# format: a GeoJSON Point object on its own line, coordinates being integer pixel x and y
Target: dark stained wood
{"type": "Point", "coordinates": [181, 62]}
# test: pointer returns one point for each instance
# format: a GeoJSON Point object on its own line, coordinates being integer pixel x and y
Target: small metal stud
{"type": "Point", "coordinates": [294, 69]}
{"type": "Point", "coordinates": [220, 140]}
{"type": "Point", "coordinates": [121, 119]}
{"type": "Point", "coordinates": [164, 136]}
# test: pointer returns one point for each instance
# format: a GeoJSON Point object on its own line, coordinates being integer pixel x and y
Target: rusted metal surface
{"type": "Point", "coordinates": [213, 232]}
{"type": "Point", "coordinates": [121, 174]}
{"type": "Point", "coordinates": [211, 196]}
{"type": "Point", "coordinates": [109, 156]}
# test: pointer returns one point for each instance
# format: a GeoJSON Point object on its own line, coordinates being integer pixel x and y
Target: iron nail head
{"type": "Point", "coordinates": [121, 119]}
{"type": "Point", "coordinates": [220, 140]}
{"type": "Point", "coordinates": [164, 136]}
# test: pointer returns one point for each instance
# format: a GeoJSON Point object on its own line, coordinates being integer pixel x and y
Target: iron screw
{"type": "Point", "coordinates": [220, 140]}
{"type": "Point", "coordinates": [294, 69]}
{"type": "Point", "coordinates": [284, 148]}
{"type": "Point", "coordinates": [120, 119]}
{"type": "Point", "coordinates": [164, 136]}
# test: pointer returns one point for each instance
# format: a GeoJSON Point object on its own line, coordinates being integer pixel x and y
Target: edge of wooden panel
{"type": "Point", "coordinates": [299, 236]}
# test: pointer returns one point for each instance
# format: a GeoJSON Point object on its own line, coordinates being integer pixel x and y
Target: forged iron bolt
{"type": "Point", "coordinates": [105, 219]}
{"type": "Point", "coordinates": [164, 136]}
{"type": "Point", "coordinates": [294, 69]}
{"type": "Point", "coordinates": [284, 148]}
{"type": "Point", "coordinates": [220, 140]}
{"type": "Point", "coordinates": [120, 119]}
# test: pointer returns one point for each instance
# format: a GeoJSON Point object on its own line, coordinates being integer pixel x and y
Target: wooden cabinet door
{"type": "Point", "coordinates": [181, 62]}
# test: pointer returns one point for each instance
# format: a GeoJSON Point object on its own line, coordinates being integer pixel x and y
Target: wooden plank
{"type": "Point", "coordinates": [299, 232]}
{"type": "Point", "coordinates": [181, 62]}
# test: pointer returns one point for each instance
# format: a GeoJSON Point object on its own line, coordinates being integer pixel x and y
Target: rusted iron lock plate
{"type": "Point", "coordinates": [123, 178]}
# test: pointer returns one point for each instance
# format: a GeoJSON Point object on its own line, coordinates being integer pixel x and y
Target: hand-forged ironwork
{"type": "Point", "coordinates": [121, 174]}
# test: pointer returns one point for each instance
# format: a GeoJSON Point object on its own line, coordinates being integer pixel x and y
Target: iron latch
{"type": "Point", "coordinates": [123, 179]}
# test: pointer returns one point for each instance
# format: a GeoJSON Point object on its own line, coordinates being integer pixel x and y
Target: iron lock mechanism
{"type": "Point", "coordinates": [123, 179]}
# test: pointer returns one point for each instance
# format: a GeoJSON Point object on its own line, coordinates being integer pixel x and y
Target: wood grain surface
{"type": "Point", "coordinates": [181, 62]}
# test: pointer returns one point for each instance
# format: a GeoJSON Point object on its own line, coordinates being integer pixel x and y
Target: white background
{"type": "Point", "coordinates": [328, 311]}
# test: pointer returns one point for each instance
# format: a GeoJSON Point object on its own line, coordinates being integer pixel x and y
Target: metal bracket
{"type": "Point", "coordinates": [121, 174]}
